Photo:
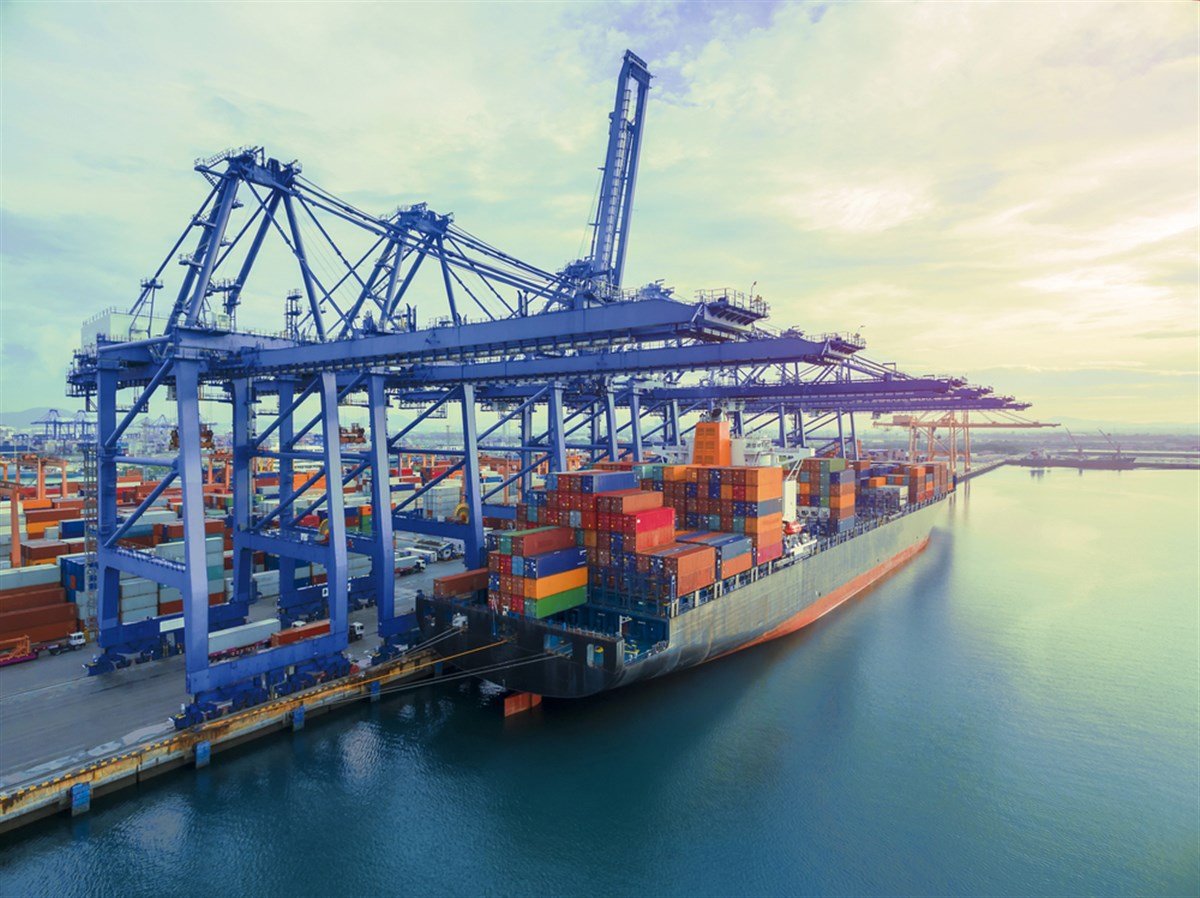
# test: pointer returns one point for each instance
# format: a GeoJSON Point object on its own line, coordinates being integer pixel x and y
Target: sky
{"type": "Point", "coordinates": [1007, 191]}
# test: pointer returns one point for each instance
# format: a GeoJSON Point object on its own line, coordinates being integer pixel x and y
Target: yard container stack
{"type": "Point", "coordinates": [33, 604]}
{"type": "Point", "coordinates": [440, 501]}
{"type": "Point", "coordinates": [214, 562]}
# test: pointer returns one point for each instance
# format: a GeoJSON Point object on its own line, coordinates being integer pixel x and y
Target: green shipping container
{"type": "Point", "coordinates": [506, 538]}
{"type": "Point", "coordinates": [560, 601]}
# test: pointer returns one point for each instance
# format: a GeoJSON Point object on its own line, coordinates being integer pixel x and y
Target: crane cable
{"type": "Point", "coordinates": [473, 672]}
{"type": "Point", "coordinates": [461, 675]}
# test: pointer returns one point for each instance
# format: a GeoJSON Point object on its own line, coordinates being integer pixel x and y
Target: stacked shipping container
{"type": "Point", "coordinates": [825, 494]}
{"type": "Point", "coordinates": [740, 500]}
{"type": "Point", "coordinates": [605, 540]}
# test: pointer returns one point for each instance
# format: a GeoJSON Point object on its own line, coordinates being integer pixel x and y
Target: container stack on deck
{"type": "Point", "coordinates": [636, 536]}
{"type": "Point", "coordinates": [740, 500]}
{"type": "Point", "coordinates": [889, 487]}
{"type": "Point", "coordinates": [825, 494]}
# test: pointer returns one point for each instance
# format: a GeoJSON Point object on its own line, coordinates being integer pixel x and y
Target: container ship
{"type": "Point", "coordinates": [629, 571]}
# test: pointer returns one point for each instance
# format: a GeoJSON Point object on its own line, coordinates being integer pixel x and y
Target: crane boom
{"type": "Point", "coordinates": [615, 206]}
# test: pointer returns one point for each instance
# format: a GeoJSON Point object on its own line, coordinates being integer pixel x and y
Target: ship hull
{"type": "Point", "coordinates": [783, 601]}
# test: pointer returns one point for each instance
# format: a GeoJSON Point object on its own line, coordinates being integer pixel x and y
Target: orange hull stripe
{"type": "Point", "coordinates": [827, 603]}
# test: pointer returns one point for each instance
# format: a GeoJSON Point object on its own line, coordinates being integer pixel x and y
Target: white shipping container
{"type": "Point", "coordinates": [138, 586]}
{"type": "Point", "coordinates": [34, 575]}
{"type": "Point", "coordinates": [140, 602]}
{"type": "Point", "coordinates": [240, 637]}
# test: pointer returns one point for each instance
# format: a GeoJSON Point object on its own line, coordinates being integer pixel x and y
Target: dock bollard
{"type": "Point", "coordinates": [298, 718]}
{"type": "Point", "coordinates": [203, 753]}
{"type": "Point", "coordinates": [81, 799]}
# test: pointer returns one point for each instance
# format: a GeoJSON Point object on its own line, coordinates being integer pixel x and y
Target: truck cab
{"type": "Point", "coordinates": [356, 631]}
{"type": "Point", "coordinates": [72, 643]}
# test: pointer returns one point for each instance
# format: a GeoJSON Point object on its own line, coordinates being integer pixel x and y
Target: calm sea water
{"type": "Point", "coordinates": [1015, 712]}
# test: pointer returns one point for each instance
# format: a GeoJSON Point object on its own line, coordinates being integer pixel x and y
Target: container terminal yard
{"type": "Point", "coordinates": [434, 459]}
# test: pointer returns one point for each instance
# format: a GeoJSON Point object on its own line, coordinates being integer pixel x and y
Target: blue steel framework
{"type": "Point", "coordinates": [572, 345]}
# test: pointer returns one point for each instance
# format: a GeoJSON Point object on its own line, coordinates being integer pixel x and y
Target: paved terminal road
{"type": "Point", "coordinates": [53, 715]}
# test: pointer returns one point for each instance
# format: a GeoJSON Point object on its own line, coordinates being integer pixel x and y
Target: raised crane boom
{"type": "Point", "coordinates": [615, 205]}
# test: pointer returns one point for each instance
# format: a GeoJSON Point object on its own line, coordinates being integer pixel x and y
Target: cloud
{"type": "Point", "coordinates": [978, 184]}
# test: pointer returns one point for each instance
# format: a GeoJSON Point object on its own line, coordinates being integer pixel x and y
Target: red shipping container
{"type": "Point", "coordinates": [517, 604]}
{"type": "Point", "coordinates": [538, 541]}
{"type": "Point", "coordinates": [644, 521]}
{"type": "Point", "coordinates": [47, 632]}
{"type": "Point", "coordinates": [33, 597]}
{"type": "Point", "coordinates": [768, 552]}
{"type": "Point", "coordinates": [644, 542]}
{"type": "Point", "coordinates": [48, 515]}
{"type": "Point", "coordinates": [459, 584]}
{"type": "Point", "coordinates": [37, 550]}
{"type": "Point", "coordinates": [18, 623]}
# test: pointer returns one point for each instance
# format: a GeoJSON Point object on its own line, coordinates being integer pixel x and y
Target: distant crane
{"type": "Point", "coordinates": [1116, 446]}
{"type": "Point", "coordinates": [1074, 442]}
{"type": "Point", "coordinates": [927, 427]}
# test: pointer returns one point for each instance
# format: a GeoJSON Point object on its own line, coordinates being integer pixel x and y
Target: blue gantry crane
{"type": "Point", "coordinates": [411, 310]}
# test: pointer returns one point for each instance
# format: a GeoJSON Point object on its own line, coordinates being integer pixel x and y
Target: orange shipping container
{"type": "Point", "coordinates": [458, 584]}
{"type": "Point", "coordinates": [295, 634]}
{"type": "Point", "coordinates": [301, 477]}
{"type": "Point", "coordinates": [766, 478]}
{"type": "Point", "coordinates": [556, 583]}
{"type": "Point", "coordinates": [738, 565]}
{"type": "Point", "coordinates": [768, 524]}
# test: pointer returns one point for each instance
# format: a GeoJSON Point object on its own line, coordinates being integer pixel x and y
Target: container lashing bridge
{"type": "Point", "coordinates": [410, 310]}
